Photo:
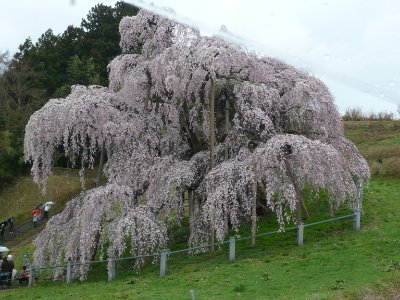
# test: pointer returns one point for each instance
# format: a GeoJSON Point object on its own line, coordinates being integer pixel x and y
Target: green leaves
{"type": "Point", "coordinates": [8, 162]}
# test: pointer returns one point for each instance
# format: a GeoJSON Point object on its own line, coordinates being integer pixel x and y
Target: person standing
{"type": "Point", "coordinates": [35, 219]}
{"type": "Point", "coordinates": [10, 224]}
{"type": "Point", "coordinates": [10, 259]}
{"type": "Point", "coordinates": [46, 212]}
{"type": "Point", "coordinates": [2, 230]}
{"type": "Point", "coordinates": [6, 267]}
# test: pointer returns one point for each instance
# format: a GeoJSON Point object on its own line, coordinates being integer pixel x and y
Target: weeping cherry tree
{"type": "Point", "coordinates": [185, 113]}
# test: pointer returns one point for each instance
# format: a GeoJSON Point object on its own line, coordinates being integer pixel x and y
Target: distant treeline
{"type": "Point", "coordinates": [46, 69]}
{"type": "Point", "coordinates": [356, 114]}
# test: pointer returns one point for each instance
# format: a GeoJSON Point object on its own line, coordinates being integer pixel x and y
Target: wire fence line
{"type": "Point", "coordinates": [164, 253]}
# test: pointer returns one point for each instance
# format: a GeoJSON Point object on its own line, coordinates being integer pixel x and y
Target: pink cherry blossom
{"type": "Point", "coordinates": [154, 122]}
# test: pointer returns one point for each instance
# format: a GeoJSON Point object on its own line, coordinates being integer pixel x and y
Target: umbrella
{"type": "Point", "coordinates": [4, 249]}
{"type": "Point", "coordinates": [35, 212]}
{"type": "Point", "coordinates": [50, 203]}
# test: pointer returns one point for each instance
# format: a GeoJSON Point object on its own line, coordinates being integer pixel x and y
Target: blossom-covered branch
{"type": "Point", "coordinates": [154, 120]}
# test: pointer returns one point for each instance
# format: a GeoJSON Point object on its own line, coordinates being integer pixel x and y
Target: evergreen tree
{"type": "Point", "coordinates": [101, 40]}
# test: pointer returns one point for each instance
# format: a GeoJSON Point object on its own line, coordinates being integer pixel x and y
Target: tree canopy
{"type": "Point", "coordinates": [185, 112]}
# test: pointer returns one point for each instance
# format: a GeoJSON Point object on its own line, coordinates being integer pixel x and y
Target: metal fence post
{"type": "Point", "coordinates": [111, 269]}
{"type": "Point", "coordinates": [26, 260]}
{"type": "Point", "coordinates": [192, 295]}
{"type": "Point", "coordinates": [232, 240]}
{"type": "Point", "coordinates": [300, 234]}
{"type": "Point", "coordinates": [31, 276]}
{"type": "Point", "coordinates": [69, 272]}
{"type": "Point", "coordinates": [163, 262]}
{"type": "Point", "coordinates": [359, 193]}
{"type": "Point", "coordinates": [357, 220]}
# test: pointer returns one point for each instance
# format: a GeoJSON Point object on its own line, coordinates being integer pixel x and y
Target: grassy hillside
{"type": "Point", "coordinates": [21, 198]}
{"type": "Point", "coordinates": [379, 143]}
{"type": "Point", "coordinates": [335, 261]}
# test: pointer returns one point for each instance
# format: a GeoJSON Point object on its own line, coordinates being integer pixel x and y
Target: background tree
{"type": "Point", "coordinates": [101, 41]}
{"type": "Point", "coordinates": [11, 149]}
{"type": "Point", "coordinates": [3, 61]}
{"type": "Point", "coordinates": [7, 157]}
{"type": "Point", "coordinates": [19, 83]}
{"type": "Point", "coordinates": [49, 66]}
{"type": "Point", "coordinates": [155, 121]}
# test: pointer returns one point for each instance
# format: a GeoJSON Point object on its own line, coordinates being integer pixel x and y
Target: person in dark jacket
{"type": "Point", "coordinates": [10, 224]}
{"type": "Point", "coordinates": [6, 267]}
{"type": "Point", "coordinates": [10, 259]}
{"type": "Point", "coordinates": [3, 226]}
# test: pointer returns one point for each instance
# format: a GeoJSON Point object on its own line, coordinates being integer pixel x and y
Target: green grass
{"type": "Point", "coordinates": [379, 143]}
{"type": "Point", "coordinates": [21, 198]}
{"type": "Point", "coordinates": [371, 133]}
{"type": "Point", "coordinates": [335, 261]}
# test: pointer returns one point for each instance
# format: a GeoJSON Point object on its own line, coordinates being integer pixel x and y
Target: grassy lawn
{"type": "Point", "coordinates": [335, 261]}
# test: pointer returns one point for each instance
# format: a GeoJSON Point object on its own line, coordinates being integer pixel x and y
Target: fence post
{"type": "Point", "coordinates": [232, 240]}
{"type": "Point", "coordinates": [357, 220]}
{"type": "Point", "coordinates": [111, 269]}
{"type": "Point", "coordinates": [163, 262]}
{"type": "Point", "coordinates": [26, 260]}
{"type": "Point", "coordinates": [300, 234]}
{"type": "Point", "coordinates": [359, 193]}
{"type": "Point", "coordinates": [31, 275]}
{"type": "Point", "coordinates": [69, 272]}
{"type": "Point", "coordinates": [191, 292]}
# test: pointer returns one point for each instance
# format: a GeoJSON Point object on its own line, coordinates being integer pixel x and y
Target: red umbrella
{"type": "Point", "coordinates": [35, 212]}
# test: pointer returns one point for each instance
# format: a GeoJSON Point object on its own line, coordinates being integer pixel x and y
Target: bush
{"type": "Point", "coordinates": [379, 153]}
{"type": "Point", "coordinates": [353, 114]}
{"type": "Point", "coordinates": [356, 114]}
{"type": "Point", "coordinates": [390, 167]}
{"type": "Point", "coordinates": [239, 288]}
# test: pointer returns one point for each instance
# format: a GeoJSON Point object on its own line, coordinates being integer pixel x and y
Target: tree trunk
{"type": "Point", "coordinates": [212, 149]}
{"type": "Point", "coordinates": [300, 203]}
{"type": "Point", "coordinates": [227, 126]}
{"type": "Point", "coordinates": [254, 207]}
{"type": "Point", "coordinates": [100, 165]}
{"type": "Point", "coordinates": [191, 210]}
{"type": "Point", "coordinates": [96, 245]}
{"type": "Point", "coordinates": [146, 103]}
{"type": "Point", "coordinates": [191, 203]}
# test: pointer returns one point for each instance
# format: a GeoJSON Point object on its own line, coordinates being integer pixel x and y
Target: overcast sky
{"type": "Point", "coordinates": [20, 19]}
{"type": "Point", "coordinates": [352, 45]}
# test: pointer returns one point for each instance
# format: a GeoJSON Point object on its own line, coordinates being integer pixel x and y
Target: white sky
{"type": "Point", "coordinates": [20, 19]}
{"type": "Point", "coordinates": [353, 45]}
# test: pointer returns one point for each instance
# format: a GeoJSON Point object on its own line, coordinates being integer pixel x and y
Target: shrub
{"type": "Point", "coordinates": [239, 288]}
{"type": "Point", "coordinates": [356, 114]}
